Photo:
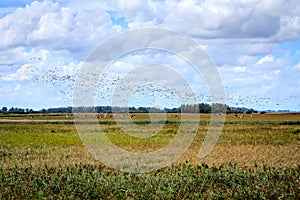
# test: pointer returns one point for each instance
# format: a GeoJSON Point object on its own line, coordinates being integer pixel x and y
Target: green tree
{"type": "Point", "coordinates": [4, 109]}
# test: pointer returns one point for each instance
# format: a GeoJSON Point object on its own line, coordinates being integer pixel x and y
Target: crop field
{"type": "Point", "coordinates": [256, 157]}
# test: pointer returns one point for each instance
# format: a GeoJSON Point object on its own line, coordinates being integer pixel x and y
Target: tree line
{"type": "Point", "coordinates": [186, 108]}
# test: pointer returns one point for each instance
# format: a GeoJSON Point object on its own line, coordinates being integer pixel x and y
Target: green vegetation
{"type": "Point", "coordinates": [176, 182]}
{"type": "Point", "coordinates": [194, 108]}
{"type": "Point", "coordinates": [256, 157]}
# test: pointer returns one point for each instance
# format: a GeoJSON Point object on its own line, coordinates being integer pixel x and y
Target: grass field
{"type": "Point", "coordinates": [255, 157]}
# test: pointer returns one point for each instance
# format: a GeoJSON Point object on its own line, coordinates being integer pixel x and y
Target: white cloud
{"type": "Point", "coordinates": [297, 67]}
{"type": "Point", "coordinates": [272, 20]}
{"type": "Point", "coordinates": [49, 25]}
{"type": "Point", "coordinates": [265, 59]}
{"type": "Point", "coordinates": [141, 12]}
{"type": "Point", "coordinates": [46, 41]}
{"type": "Point", "coordinates": [239, 69]}
{"type": "Point", "coordinates": [277, 72]}
{"type": "Point", "coordinates": [236, 52]}
{"type": "Point", "coordinates": [18, 86]}
{"type": "Point", "coordinates": [19, 75]}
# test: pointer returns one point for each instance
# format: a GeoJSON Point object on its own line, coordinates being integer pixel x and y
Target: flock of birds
{"type": "Point", "coordinates": [64, 83]}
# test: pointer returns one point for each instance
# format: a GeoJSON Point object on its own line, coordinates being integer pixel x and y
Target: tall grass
{"type": "Point", "coordinates": [184, 181]}
{"type": "Point", "coordinates": [48, 160]}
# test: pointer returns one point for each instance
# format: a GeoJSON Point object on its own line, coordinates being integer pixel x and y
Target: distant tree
{"type": "Point", "coordinates": [219, 108]}
{"type": "Point", "coordinates": [204, 108]}
{"type": "Point", "coordinates": [4, 109]}
{"type": "Point", "coordinates": [43, 110]}
{"type": "Point", "coordinates": [19, 111]}
{"type": "Point", "coordinates": [16, 110]}
{"type": "Point", "coordinates": [143, 109]}
{"type": "Point", "coordinates": [11, 110]}
{"type": "Point", "coordinates": [250, 111]}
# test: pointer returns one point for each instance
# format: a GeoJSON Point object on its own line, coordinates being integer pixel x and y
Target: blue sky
{"type": "Point", "coordinates": [254, 44]}
{"type": "Point", "coordinates": [14, 3]}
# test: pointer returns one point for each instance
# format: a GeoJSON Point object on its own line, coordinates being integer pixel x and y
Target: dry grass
{"type": "Point", "coordinates": [268, 139]}
{"type": "Point", "coordinates": [247, 155]}
{"type": "Point", "coordinates": [255, 158]}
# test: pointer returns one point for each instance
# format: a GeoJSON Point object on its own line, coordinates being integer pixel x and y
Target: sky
{"type": "Point", "coordinates": [254, 44]}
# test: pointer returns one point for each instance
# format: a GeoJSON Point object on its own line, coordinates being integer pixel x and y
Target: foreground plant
{"type": "Point", "coordinates": [183, 181]}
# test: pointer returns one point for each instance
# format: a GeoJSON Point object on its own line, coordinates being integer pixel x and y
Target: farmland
{"type": "Point", "coordinates": [256, 156]}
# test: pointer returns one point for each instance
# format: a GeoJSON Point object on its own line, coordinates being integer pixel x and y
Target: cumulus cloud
{"type": "Point", "coordinates": [231, 30]}
{"type": "Point", "coordinates": [49, 40]}
{"type": "Point", "coordinates": [49, 25]}
{"type": "Point", "coordinates": [217, 19]}
{"type": "Point", "coordinates": [265, 59]}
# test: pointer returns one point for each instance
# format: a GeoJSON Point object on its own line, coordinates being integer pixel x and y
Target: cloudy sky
{"type": "Point", "coordinates": [255, 45]}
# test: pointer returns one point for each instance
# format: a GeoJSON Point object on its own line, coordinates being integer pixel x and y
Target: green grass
{"type": "Point", "coordinates": [176, 182]}
{"type": "Point", "coordinates": [48, 160]}
{"type": "Point", "coordinates": [37, 135]}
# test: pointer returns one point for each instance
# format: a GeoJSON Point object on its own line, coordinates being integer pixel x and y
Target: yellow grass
{"type": "Point", "coordinates": [258, 140]}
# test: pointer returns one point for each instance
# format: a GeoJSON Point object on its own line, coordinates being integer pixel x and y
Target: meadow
{"type": "Point", "coordinates": [256, 156]}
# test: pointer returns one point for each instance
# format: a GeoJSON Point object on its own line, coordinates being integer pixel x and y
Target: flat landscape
{"type": "Point", "coordinates": [256, 156]}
